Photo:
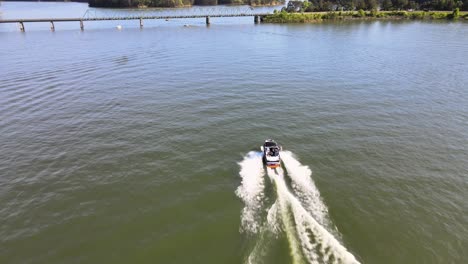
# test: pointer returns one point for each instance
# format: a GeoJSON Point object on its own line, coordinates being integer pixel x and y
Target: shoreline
{"type": "Point", "coordinates": [315, 17]}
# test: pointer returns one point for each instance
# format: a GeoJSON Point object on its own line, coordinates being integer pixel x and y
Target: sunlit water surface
{"type": "Point", "coordinates": [122, 146]}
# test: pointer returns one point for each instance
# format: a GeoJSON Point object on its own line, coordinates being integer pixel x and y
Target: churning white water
{"type": "Point", "coordinates": [318, 244]}
{"type": "Point", "coordinates": [304, 188]}
{"type": "Point", "coordinates": [251, 191]}
{"type": "Point", "coordinates": [300, 213]}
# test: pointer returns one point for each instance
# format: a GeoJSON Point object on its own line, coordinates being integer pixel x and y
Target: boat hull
{"type": "Point", "coordinates": [273, 166]}
{"type": "Point", "coordinates": [271, 155]}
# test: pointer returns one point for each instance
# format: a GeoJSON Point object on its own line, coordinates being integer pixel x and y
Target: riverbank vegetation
{"type": "Point", "coordinates": [178, 3]}
{"type": "Point", "coordinates": [308, 17]}
{"type": "Point", "coordinates": [386, 5]}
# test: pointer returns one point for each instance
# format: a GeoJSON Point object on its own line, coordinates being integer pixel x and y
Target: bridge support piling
{"type": "Point", "coordinates": [21, 25]}
{"type": "Point", "coordinates": [258, 18]}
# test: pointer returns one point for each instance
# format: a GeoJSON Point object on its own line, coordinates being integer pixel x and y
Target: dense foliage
{"type": "Point", "coordinates": [176, 3]}
{"type": "Point", "coordinates": [307, 6]}
{"type": "Point", "coordinates": [339, 5]}
{"type": "Point", "coordinates": [285, 17]}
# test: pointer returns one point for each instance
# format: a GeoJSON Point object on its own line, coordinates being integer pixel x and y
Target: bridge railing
{"type": "Point", "coordinates": [196, 11]}
{"type": "Point", "coordinates": [96, 14]}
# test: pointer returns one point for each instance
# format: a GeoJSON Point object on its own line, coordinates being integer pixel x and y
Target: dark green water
{"type": "Point", "coordinates": [123, 146]}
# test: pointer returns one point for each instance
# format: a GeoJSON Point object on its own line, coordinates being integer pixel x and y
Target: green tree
{"type": "Point", "coordinates": [456, 13]}
{"type": "Point", "coordinates": [400, 4]}
{"type": "Point", "coordinates": [387, 5]}
{"type": "Point", "coordinates": [450, 4]}
{"type": "Point", "coordinates": [371, 4]}
{"type": "Point", "coordinates": [360, 4]}
{"type": "Point", "coordinates": [305, 5]}
{"type": "Point", "coordinates": [413, 5]}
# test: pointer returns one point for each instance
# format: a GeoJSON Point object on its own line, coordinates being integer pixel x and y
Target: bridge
{"type": "Point", "coordinates": [99, 14]}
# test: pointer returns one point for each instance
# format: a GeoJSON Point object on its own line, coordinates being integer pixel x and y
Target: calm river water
{"type": "Point", "coordinates": [127, 146]}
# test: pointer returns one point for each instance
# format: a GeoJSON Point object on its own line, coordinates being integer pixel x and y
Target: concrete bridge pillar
{"type": "Point", "coordinates": [52, 26]}
{"type": "Point", "coordinates": [21, 25]}
{"type": "Point", "coordinates": [81, 25]}
{"type": "Point", "coordinates": [207, 20]}
{"type": "Point", "coordinates": [141, 23]}
{"type": "Point", "coordinates": [256, 20]}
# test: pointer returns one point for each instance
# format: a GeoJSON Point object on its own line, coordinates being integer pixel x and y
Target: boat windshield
{"type": "Point", "coordinates": [274, 152]}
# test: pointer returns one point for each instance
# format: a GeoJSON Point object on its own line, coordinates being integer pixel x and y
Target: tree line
{"type": "Point", "coordinates": [177, 3]}
{"type": "Point", "coordinates": [307, 6]}
{"type": "Point", "coordinates": [388, 5]}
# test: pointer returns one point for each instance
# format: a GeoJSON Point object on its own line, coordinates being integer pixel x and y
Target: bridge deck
{"type": "Point", "coordinates": [18, 20]}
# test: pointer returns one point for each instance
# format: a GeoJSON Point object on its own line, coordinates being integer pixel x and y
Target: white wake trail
{"type": "Point", "coordinates": [268, 232]}
{"type": "Point", "coordinates": [251, 191]}
{"type": "Point", "coordinates": [305, 227]}
{"type": "Point", "coordinates": [317, 244]}
{"type": "Point", "coordinates": [288, 226]}
{"type": "Point", "coordinates": [305, 189]}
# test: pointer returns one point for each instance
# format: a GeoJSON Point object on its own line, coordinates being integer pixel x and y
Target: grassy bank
{"type": "Point", "coordinates": [284, 17]}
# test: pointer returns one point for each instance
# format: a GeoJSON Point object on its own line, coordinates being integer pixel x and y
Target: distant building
{"type": "Point", "coordinates": [294, 6]}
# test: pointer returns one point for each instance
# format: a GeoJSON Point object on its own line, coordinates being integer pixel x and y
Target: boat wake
{"type": "Point", "coordinates": [251, 191]}
{"type": "Point", "coordinates": [306, 191]}
{"type": "Point", "coordinates": [298, 213]}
